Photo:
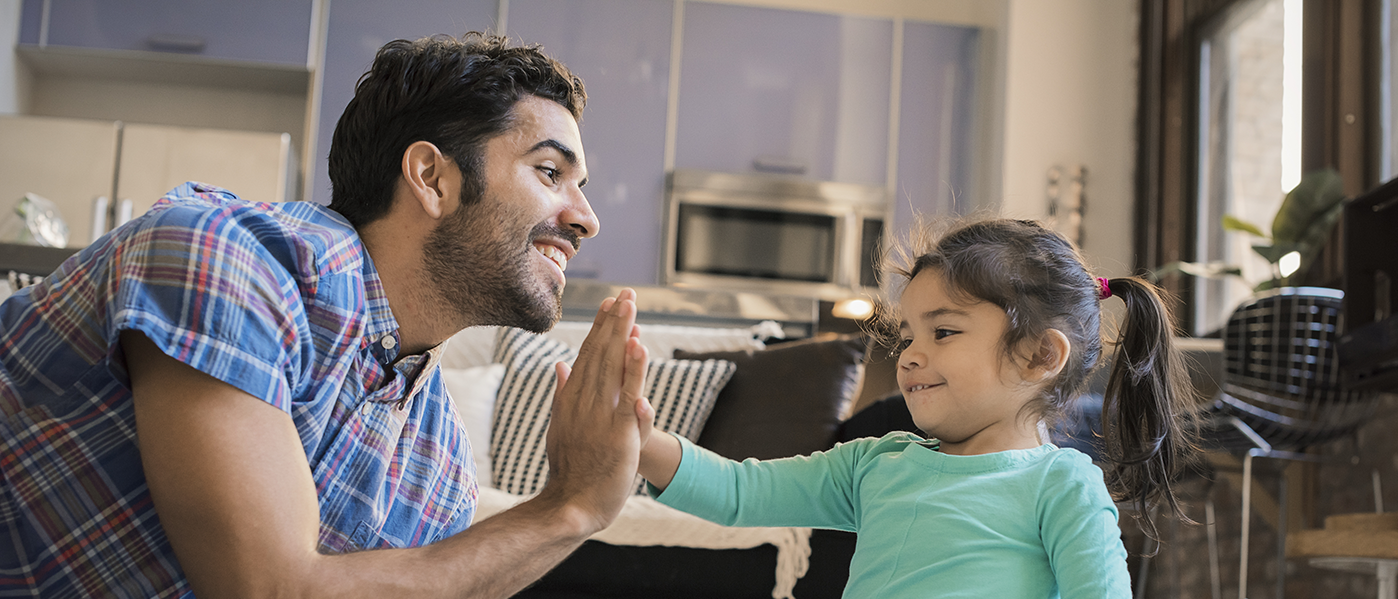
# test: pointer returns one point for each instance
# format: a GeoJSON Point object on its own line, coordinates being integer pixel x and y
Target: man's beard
{"type": "Point", "coordinates": [485, 277]}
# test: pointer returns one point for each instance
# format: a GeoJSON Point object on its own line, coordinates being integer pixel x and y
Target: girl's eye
{"type": "Point", "coordinates": [550, 172]}
{"type": "Point", "coordinates": [901, 345]}
{"type": "Point", "coordinates": [944, 333]}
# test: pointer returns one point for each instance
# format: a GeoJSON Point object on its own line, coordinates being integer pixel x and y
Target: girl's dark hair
{"type": "Point", "coordinates": [1038, 278]}
{"type": "Point", "coordinates": [454, 93]}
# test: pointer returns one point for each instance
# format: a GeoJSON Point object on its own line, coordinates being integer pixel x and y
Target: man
{"type": "Point", "coordinates": [235, 399]}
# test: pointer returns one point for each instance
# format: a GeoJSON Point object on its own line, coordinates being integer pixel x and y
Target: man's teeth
{"type": "Point", "coordinates": [555, 254]}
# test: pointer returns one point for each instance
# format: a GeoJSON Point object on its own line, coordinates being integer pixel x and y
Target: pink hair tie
{"type": "Point", "coordinates": [1103, 291]}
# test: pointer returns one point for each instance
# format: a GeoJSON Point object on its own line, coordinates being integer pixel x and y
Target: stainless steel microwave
{"type": "Point", "coordinates": [773, 234]}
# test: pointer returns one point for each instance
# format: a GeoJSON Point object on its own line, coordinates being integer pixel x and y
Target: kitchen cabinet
{"type": "Point", "coordinates": [785, 91]}
{"type": "Point", "coordinates": [621, 51]}
{"type": "Point", "coordinates": [356, 30]}
{"type": "Point", "coordinates": [263, 31]}
{"type": "Point", "coordinates": [935, 122]}
{"type": "Point", "coordinates": [71, 162]}
{"type": "Point", "coordinates": [258, 167]}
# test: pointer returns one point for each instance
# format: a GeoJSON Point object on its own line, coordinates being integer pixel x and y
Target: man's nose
{"type": "Point", "coordinates": [578, 215]}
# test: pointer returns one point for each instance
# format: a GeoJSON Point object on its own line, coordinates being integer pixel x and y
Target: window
{"type": "Point", "coordinates": [1249, 143]}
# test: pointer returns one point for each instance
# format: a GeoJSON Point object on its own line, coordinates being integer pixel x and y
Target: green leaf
{"type": "Point", "coordinates": [1273, 253]}
{"type": "Point", "coordinates": [1233, 223]}
{"type": "Point", "coordinates": [1315, 240]}
{"type": "Point", "coordinates": [1207, 270]}
{"type": "Point", "coordinates": [1302, 209]}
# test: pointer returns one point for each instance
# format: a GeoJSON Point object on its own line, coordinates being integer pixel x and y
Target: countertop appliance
{"type": "Point", "coordinates": [774, 234]}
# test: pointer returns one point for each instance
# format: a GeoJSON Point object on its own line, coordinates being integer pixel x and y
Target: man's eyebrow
{"type": "Point", "coordinates": [569, 155]}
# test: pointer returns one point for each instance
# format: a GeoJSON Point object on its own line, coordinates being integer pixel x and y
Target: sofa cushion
{"type": "Point", "coordinates": [878, 419]}
{"type": "Point", "coordinates": [682, 392]}
{"type": "Point", "coordinates": [786, 400]}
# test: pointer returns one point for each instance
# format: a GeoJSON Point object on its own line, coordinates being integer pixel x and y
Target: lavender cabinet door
{"type": "Point", "coordinates": [621, 51]}
{"type": "Point", "coordinates": [936, 120]}
{"type": "Point", "coordinates": [270, 31]}
{"type": "Point", "coordinates": [785, 91]}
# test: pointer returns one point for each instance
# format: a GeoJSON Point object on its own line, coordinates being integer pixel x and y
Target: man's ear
{"type": "Point", "coordinates": [431, 178]}
{"type": "Point", "coordinates": [1049, 356]}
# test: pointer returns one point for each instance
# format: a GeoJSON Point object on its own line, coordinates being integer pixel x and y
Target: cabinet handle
{"type": "Point", "coordinates": [777, 164]}
{"type": "Point", "coordinates": [170, 42]}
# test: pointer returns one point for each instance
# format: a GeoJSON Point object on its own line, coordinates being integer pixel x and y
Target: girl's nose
{"type": "Point", "coordinates": [910, 358]}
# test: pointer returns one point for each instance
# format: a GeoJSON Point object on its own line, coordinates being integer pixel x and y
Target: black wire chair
{"type": "Point", "coordinates": [1281, 390]}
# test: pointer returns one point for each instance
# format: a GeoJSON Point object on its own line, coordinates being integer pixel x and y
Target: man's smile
{"type": "Point", "coordinates": [554, 254]}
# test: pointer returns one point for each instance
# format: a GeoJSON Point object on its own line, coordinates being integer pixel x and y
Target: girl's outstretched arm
{"type": "Point", "coordinates": [660, 458]}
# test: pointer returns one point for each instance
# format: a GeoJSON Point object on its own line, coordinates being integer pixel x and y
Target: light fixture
{"type": "Point", "coordinates": [854, 308]}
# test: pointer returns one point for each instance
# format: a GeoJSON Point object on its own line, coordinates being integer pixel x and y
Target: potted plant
{"type": "Point", "coordinates": [1300, 229]}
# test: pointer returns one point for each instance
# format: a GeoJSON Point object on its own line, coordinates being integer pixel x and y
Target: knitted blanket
{"type": "Point", "coordinates": [646, 522]}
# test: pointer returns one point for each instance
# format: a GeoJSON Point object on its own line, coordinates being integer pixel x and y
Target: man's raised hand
{"type": "Point", "coordinates": [599, 417]}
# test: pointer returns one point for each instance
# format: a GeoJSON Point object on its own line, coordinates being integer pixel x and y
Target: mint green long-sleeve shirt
{"type": "Point", "coordinates": [1026, 523]}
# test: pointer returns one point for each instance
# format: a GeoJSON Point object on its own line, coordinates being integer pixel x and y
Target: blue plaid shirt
{"type": "Point", "coordinates": [278, 300]}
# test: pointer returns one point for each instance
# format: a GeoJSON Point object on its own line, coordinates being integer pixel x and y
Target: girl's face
{"type": "Point", "coordinates": [959, 387]}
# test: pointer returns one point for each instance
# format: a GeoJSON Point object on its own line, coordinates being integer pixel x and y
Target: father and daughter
{"type": "Point", "coordinates": [998, 329]}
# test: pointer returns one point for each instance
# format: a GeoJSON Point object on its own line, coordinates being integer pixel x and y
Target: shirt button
{"type": "Point", "coordinates": [366, 408]}
{"type": "Point", "coordinates": [388, 342]}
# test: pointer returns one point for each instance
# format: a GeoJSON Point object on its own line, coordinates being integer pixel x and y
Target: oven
{"type": "Point", "coordinates": [773, 234]}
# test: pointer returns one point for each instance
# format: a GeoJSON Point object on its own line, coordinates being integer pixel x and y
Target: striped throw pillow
{"type": "Point", "coordinates": [682, 392]}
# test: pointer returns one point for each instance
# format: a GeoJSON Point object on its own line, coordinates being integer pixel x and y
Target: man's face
{"type": "Point", "coordinates": [501, 260]}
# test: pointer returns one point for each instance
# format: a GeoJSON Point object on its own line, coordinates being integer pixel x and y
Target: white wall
{"type": "Point", "coordinates": [15, 79]}
{"type": "Point", "coordinates": [1070, 99]}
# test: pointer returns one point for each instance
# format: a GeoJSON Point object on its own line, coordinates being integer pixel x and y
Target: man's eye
{"type": "Point", "coordinates": [550, 172]}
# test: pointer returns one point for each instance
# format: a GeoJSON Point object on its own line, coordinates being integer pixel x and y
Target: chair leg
{"type": "Point", "coordinates": [1247, 515]}
{"type": "Point", "coordinates": [1281, 538]}
{"type": "Point", "coordinates": [1388, 580]}
{"type": "Point", "coordinates": [1142, 571]}
{"type": "Point", "coordinates": [1216, 586]}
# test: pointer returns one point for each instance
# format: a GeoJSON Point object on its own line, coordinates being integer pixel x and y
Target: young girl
{"type": "Point", "coordinates": [998, 331]}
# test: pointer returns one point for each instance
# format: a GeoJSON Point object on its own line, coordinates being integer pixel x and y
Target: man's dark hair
{"type": "Point", "coordinates": [454, 93]}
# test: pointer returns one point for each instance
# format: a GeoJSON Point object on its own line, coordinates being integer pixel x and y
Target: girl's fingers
{"type": "Point", "coordinates": [634, 373]}
{"type": "Point", "coordinates": [561, 370]}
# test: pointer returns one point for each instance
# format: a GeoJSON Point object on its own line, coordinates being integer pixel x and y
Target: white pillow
{"type": "Point", "coordinates": [470, 348]}
{"type": "Point", "coordinates": [476, 345]}
{"type": "Point", "coordinates": [661, 340]}
{"type": "Point", "coordinates": [683, 393]}
{"type": "Point", "coordinates": [473, 390]}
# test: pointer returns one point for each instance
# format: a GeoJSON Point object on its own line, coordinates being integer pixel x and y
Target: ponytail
{"type": "Point", "coordinates": [1149, 405]}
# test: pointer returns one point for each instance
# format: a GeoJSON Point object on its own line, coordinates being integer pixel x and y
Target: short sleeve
{"type": "Point", "coordinates": [1078, 521]}
{"type": "Point", "coordinates": [215, 288]}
